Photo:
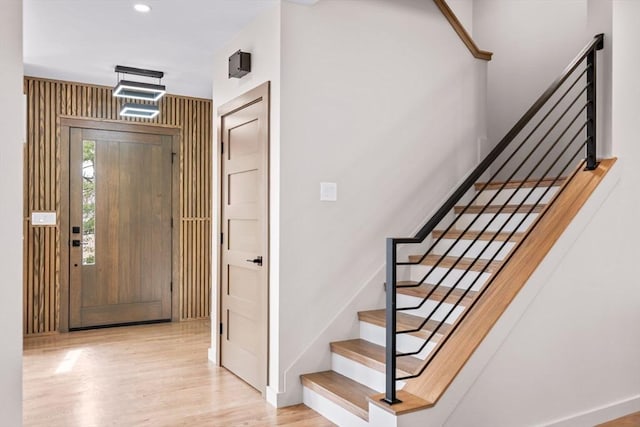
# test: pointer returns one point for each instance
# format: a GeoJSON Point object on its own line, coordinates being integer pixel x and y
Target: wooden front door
{"type": "Point", "coordinates": [244, 136]}
{"type": "Point", "coordinates": [119, 227]}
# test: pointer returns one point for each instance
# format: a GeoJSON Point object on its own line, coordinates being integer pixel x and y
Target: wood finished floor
{"type": "Point", "coordinates": [631, 420]}
{"type": "Point", "coordinates": [148, 375]}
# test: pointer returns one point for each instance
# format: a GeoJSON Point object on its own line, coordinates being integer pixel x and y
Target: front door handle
{"type": "Point", "coordinates": [76, 243]}
{"type": "Point", "coordinates": [256, 260]}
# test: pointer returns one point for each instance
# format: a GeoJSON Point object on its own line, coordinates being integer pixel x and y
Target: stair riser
{"type": "Point", "coordinates": [363, 374]}
{"type": "Point", "coordinates": [404, 343]}
{"type": "Point", "coordinates": [465, 280]}
{"type": "Point", "coordinates": [330, 410]}
{"type": "Point", "coordinates": [521, 195]}
{"type": "Point", "coordinates": [357, 372]}
{"type": "Point", "coordinates": [496, 222]}
{"type": "Point", "coordinates": [479, 249]}
{"type": "Point", "coordinates": [424, 311]}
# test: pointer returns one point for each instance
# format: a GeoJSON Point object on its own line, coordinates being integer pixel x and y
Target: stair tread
{"type": "Point", "coordinates": [404, 322]}
{"type": "Point", "coordinates": [342, 390]}
{"type": "Point", "coordinates": [407, 288]}
{"type": "Point", "coordinates": [472, 235]}
{"type": "Point", "coordinates": [546, 182]}
{"type": "Point", "coordinates": [503, 209]}
{"type": "Point", "coordinates": [463, 264]}
{"type": "Point", "coordinates": [374, 356]}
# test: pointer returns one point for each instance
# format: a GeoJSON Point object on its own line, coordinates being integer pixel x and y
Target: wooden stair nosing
{"type": "Point", "coordinates": [374, 356]}
{"type": "Point", "coordinates": [463, 264]}
{"type": "Point", "coordinates": [546, 182]}
{"type": "Point", "coordinates": [344, 391]}
{"type": "Point", "coordinates": [404, 322]}
{"type": "Point", "coordinates": [503, 209]}
{"type": "Point", "coordinates": [472, 235]}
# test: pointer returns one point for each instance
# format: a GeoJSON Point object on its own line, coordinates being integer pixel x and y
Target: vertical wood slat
{"type": "Point", "coordinates": [47, 100]}
{"type": "Point", "coordinates": [187, 126]}
{"type": "Point", "coordinates": [192, 269]}
{"type": "Point", "coordinates": [196, 250]}
{"type": "Point", "coordinates": [28, 239]}
{"type": "Point", "coordinates": [47, 255]}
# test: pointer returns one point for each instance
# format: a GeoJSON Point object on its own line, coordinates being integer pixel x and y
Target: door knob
{"type": "Point", "coordinates": [256, 260]}
{"type": "Point", "coordinates": [75, 243]}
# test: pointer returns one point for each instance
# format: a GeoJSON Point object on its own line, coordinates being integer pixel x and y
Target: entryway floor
{"type": "Point", "coordinates": [147, 375]}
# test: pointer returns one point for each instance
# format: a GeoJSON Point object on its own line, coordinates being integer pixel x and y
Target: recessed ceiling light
{"type": "Point", "coordinates": [142, 8]}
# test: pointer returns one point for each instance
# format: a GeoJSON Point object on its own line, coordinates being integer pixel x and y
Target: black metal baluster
{"type": "Point", "coordinates": [390, 392]}
{"type": "Point", "coordinates": [591, 111]}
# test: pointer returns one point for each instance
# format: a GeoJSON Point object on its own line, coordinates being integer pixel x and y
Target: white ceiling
{"type": "Point", "coordinates": [83, 40]}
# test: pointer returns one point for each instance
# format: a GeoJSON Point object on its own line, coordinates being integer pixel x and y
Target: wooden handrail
{"type": "Point", "coordinates": [464, 36]}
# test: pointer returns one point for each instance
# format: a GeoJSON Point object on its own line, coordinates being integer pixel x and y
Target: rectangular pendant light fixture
{"type": "Point", "coordinates": [139, 90]}
{"type": "Point", "coordinates": [139, 110]}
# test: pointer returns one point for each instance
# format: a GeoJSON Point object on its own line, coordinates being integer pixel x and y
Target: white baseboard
{"type": "Point", "coordinates": [279, 399]}
{"type": "Point", "coordinates": [599, 415]}
{"type": "Point", "coordinates": [272, 397]}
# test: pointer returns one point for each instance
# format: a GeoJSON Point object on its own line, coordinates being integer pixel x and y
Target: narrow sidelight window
{"type": "Point", "coordinates": [88, 203]}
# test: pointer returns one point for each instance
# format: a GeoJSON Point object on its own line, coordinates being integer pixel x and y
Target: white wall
{"type": "Point", "coordinates": [600, 20]}
{"type": "Point", "coordinates": [574, 357]}
{"type": "Point", "coordinates": [384, 99]}
{"type": "Point", "coordinates": [576, 350]}
{"type": "Point", "coordinates": [463, 9]}
{"type": "Point", "coordinates": [262, 39]}
{"type": "Point", "coordinates": [532, 42]}
{"type": "Point", "coordinates": [11, 138]}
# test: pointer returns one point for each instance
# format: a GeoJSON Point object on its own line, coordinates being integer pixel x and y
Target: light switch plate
{"type": "Point", "coordinates": [328, 191]}
{"type": "Point", "coordinates": [43, 218]}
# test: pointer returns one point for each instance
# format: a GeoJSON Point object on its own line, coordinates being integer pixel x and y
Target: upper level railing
{"type": "Point", "coordinates": [543, 146]}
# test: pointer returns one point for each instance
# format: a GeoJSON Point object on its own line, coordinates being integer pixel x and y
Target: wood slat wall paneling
{"type": "Point", "coordinates": [47, 101]}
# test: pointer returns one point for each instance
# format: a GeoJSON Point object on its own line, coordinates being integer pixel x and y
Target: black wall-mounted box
{"type": "Point", "coordinates": [239, 64]}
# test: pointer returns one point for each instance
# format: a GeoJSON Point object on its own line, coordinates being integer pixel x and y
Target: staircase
{"type": "Point", "coordinates": [448, 285]}
{"type": "Point", "coordinates": [358, 365]}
